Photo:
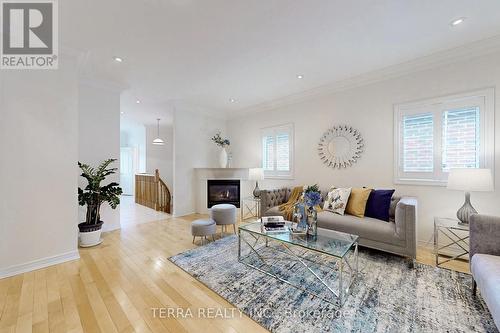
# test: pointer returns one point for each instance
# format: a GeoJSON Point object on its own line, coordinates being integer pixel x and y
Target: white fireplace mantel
{"type": "Point", "coordinates": [203, 174]}
{"type": "Point", "coordinates": [222, 173]}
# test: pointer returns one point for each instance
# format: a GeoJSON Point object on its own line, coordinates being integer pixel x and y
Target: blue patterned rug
{"type": "Point", "coordinates": [387, 297]}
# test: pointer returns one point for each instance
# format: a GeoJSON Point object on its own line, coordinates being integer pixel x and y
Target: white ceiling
{"type": "Point", "coordinates": [204, 52]}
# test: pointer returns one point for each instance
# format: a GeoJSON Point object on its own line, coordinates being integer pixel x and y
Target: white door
{"type": "Point", "coordinates": [128, 168]}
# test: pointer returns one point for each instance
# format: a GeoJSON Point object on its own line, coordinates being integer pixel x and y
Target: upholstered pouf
{"type": "Point", "coordinates": [203, 228]}
{"type": "Point", "coordinates": [224, 215]}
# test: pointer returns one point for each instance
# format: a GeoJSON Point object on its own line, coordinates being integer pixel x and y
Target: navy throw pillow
{"type": "Point", "coordinates": [378, 204]}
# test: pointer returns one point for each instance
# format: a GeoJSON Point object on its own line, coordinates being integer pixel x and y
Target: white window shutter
{"type": "Point", "coordinates": [461, 138]}
{"type": "Point", "coordinates": [418, 143]}
{"type": "Point", "coordinates": [277, 151]}
{"type": "Point", "coordinates": [268, 152]}
{"type": "Point", "coordinates": [283, 152]}
{"type": "Point", "coordinates": [437, 135]}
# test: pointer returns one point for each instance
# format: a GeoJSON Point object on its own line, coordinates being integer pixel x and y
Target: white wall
{"type": "Point", "coordinates": [134, 136]}
{"type": "Point", "coordinates": [192, 149]}
{"type": "Point", "coordinates": [99, 137]}
{"type": "Point", "coordinates": [132, 141]}
{"type": "Point", "coordinates": [38, 170]}
{"type": "Point", "coordinates": [161, 157]}
{"type": "Point", "coordinates": [370, 110]}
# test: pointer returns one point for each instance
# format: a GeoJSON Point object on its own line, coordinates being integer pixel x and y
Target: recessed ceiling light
{"type": "Point", "coordinates": [457, 21]}
{"type": "Point", "coordinates": [300, 76]}
{"type": "Point", "coordinates": [138, 101]}
{"type": "Point", "coordinates": [232, 100]}
{"type": "Point", "coordinates": [118, 59]}
{"type": "Point", "coordinates": [121, 112]}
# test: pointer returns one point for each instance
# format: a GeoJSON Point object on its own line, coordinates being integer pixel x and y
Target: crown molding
{"type": "Point", "coordinates": [438, 59]}
{"type": "Point", "coordinates": [181, 106]}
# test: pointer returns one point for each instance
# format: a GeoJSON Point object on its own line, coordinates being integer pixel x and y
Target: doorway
{"type": "Point", "coordinates": [129, 166]}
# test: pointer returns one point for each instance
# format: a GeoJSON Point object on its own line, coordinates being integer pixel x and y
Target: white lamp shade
{"type": "Point", "coordinates": [158, 141]}
{"type": "Point", "coordinates": [470, 180]}
{"type": "Point", "coordinates": [255, 174]}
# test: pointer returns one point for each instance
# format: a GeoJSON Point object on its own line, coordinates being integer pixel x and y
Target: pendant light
{"type": "Point", "coordinates": [158, 141]}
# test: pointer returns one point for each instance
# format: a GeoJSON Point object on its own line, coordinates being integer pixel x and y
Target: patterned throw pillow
{"type": "Point", "coordinates": [336, 200]}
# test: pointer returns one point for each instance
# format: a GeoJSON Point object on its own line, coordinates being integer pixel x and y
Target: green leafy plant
{"type": "Point", "coordinates": [94, 195]}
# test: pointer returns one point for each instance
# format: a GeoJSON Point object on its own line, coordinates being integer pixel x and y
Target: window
{"type": "Point", "coordinates": [277, 151]}
{"type": "Point", "coordinates": [434, 136]}
{"type": "Point", "coordinates": [461, 138]}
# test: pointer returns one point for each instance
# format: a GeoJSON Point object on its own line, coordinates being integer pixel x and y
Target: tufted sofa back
{"type": "Point", "coordinates": [273, 198]}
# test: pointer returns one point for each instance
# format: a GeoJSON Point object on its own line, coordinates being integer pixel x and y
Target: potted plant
{"type": "Point", "coordinates": [94, 195]}
{"type": "Point", "coordinates": [223, 143]}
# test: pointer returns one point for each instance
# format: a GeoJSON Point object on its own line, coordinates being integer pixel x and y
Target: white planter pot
{"type": "Point", "coordinates": [223, 158]}
{"type": "Point", "coordinates": [91, 238]}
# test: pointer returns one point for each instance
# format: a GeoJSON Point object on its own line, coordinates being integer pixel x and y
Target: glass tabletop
{"type": "Point", "coordinates": [446, 222]}
{"type": "Point", "coordinates": [330, 242]}
{"type": "Point", "coordinates": [251, 199]}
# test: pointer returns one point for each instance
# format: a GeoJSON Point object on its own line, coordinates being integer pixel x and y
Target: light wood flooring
{"type": "Point", "coordinates": [114, 286]}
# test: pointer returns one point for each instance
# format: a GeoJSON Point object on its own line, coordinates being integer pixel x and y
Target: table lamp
{"type": "Point", "coordinates": [256, 174]}
{"type": "Point", "coordinates": [469, 180]}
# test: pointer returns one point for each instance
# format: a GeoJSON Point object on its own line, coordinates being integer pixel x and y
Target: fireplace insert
{"type": "Point", "coordinates": [220, 191]}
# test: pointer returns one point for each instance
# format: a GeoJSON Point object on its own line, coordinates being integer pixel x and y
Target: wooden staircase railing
{"type": "Point", "coordinates": [151, 191]}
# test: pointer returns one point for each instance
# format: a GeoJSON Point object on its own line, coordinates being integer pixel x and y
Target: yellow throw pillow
{"type": "Point", "coordinates": [357, 201]}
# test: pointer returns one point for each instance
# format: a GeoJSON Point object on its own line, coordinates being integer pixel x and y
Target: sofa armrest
{"type": "Point", "coordinates": [406, 223]}
{"type": "Point", "coordinates": [272, 198]}
{"type": "Point", "coordinates": [484, 235]}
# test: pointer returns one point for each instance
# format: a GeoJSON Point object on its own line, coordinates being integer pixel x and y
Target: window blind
{"type": "Point", "coordinates": [268, 152]}
{"type": "Point", "coordinates": [283, 152]}
{"type": "Point", "coordinates": [437, 135]}
{"type": "Point", "coordinates": [277, 151]}
{"type": "Point", "coordinates": [461, 138]}
{"type": "Point", "coordinates": [418, 143]}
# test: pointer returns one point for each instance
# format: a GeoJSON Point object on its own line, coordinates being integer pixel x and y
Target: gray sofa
{"type": "Point", "coordinates": [397, 236]}
{"type": "Point", "coordinates": [485, 260]}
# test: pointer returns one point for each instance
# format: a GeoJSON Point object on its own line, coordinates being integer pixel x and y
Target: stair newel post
{"type": "Point", "coordinates": [157, 189]}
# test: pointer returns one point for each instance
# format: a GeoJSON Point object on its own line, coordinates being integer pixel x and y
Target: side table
{"type": "Point", "coordinates": [457, 237]}
{"type": "Point", "coordinates": [250, 207]}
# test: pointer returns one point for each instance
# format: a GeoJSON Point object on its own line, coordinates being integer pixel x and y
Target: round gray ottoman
{"type": "Point", "coordinates": [203, 228]}
{"type": "Point", "coordinates": [224, 215]}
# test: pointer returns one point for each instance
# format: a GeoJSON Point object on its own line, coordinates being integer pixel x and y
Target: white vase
{"type": "Point", "coordinates": [88, 239]}
{"type": "Point", "coordinates": [223, 158]}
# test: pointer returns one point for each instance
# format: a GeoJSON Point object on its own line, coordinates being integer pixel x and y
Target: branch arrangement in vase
{"type": "Point", "coordinates": [219, 141]}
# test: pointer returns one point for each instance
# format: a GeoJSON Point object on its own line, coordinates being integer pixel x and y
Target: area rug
{"type": "Point", "coordinates": [387, 297]}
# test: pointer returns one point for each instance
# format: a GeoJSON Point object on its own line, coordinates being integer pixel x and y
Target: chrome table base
{"type": "Point", "coordinates": [346, 268]}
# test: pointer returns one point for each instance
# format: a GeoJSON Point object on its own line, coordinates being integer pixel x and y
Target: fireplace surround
{"type": "Point", "coordinates": [223, 191]}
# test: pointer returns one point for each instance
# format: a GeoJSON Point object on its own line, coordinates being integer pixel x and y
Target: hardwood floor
{"type": "Point", "coordinates": [114, 286]}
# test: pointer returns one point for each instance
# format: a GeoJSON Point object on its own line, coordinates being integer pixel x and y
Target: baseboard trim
{"type": "Point", "coordinates": [38, 264]}
{"type": "Point", "coordinates": [112, 228]}
{"type": "Point", "coordinates": [184, 214]}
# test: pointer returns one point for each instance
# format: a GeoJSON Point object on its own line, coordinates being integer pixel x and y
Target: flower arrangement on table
{"type": "Point", "coordinates": [312, 199]}
{"type": "Point", "coordinates": [312, 196]}
{"type": "Point", "coordinates": [219, 141]}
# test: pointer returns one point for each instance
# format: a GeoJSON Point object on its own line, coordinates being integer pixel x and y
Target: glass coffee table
{"type": "Point", "coordinates": [325, 266]}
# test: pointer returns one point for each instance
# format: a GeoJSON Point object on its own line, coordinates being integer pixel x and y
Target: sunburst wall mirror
{"type": "Point", "coordinates": [340, 146]}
